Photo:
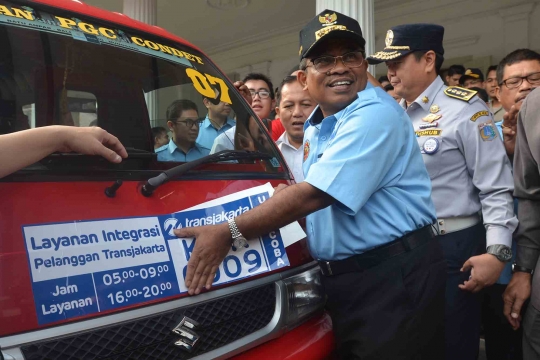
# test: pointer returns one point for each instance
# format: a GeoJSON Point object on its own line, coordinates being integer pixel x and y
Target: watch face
{"type": "Point", "coordinates": [506, 253]}
{"type": "Point", "coordinates": [501, 252]}
{"type": "Point", "coordinates": [240, 242]}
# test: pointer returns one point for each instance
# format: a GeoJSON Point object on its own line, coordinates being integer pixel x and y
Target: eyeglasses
{"type": "Point", "coordinates": [263, 94]}
{"type": "Point", "coordinates": [189, 123]}
{"type": "Point", "coordinates": [326, 63]}
{"type": "Point", "coordinates": [514, 82]}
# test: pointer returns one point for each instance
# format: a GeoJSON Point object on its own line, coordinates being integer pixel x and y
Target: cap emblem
{"type": "Point", "coordinates": [471, 74]}
{"type": "Point", "coordinates": [389, 38]}
{"type": "Point", "coordinates": [328, 19]}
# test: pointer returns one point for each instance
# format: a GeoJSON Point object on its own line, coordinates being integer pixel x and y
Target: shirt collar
{"type": "Point", "coordinates": [493, 110]}
{"type": "Point", "coordinates": [173, 147]}
{"type": "Point", "coordinates": [207, 123]}
{"type": "Point", "coordinates": [430, 93]}
{"type": "Point", "coordinates": [284, 140]}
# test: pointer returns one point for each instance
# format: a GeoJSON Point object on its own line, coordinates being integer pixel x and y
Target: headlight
{"type": "Point", "coordinates": [305, 295]}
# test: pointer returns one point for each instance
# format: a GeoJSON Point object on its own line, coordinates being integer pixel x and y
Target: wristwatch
{"type": "Point", "coordinates": [501, 252]}
{"type": "Point", "coordinates": [239, 241]}
{"type": "Point", "coordinates": [517, 268]}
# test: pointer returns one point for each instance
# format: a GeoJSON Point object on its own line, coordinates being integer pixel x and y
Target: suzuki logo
{"type": "Point", "coordinates": [171, 224]}
{"type": "Point", "coordinates": [188, 336]}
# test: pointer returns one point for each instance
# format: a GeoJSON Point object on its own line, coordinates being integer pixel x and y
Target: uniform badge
{"type": "Point", "coordinates": [431, 118]}
{"type": "Point", "coordinates": [389, 38]}
{"type": "Point", "coordinates": [487, 131]}
{"type": "Point", "coordinates": [428, 126]}
{"type": "Point", "coordinates": [479, 114]}
{"type": "Point", "coordinates": [429, 132]}
{"type": "Point", "coordinates": [425, 99]}
{"type": "Point", "coordinates": [306, 150]}
{"type": "Point", "coordinates": [431, 146]}
{"type": "Point", "coordinates": [434, 109]}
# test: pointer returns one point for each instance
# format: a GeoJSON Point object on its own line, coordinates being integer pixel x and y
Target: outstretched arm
{"type": "Point", "coordinates": [24, 148]}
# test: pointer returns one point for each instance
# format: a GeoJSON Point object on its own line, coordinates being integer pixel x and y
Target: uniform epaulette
{"type": "Point", "coordinates": [460, 93]}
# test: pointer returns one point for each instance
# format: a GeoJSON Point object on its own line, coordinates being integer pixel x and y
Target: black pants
{"type": "Point", "coordinates": [502, 342]}
{"type": "Point", "coordinates": [462, 317]}
{"type": "Point", "coordinates": [394, 310]}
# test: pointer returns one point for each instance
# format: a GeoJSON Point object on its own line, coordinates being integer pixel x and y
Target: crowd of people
{"type": "Point", "coordinates": [466, 132]}
{"type": "Point", "coordinates": [411, 186]}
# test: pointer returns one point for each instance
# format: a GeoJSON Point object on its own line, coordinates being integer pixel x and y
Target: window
{"type": "Point", "coordinates": [120, 81]}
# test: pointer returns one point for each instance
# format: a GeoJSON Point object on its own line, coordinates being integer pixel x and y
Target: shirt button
{"type": "Point", "coordinates": [323, 138]}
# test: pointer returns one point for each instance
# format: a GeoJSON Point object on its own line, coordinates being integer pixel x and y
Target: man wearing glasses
{"type": "Point", "coordinates": [517, 74]}
{"type": "Point", "coordinates": [183, 121]}
{"type": "Point", "coordinates": [469, 170]}
{"type": "Point", "coordinates": [366, 195]}
{"type": "Point", "coordinates": [262, 95]}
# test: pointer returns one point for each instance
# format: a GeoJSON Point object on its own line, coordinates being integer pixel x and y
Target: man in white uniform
{"type": "Point", "coordinates": [294, 105]}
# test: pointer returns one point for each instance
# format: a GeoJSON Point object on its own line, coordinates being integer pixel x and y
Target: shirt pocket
{"type": "Point", "coordinates": [431, 148]}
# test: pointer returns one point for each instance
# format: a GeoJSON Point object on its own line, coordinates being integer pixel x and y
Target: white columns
{"type": "Point", "coordinates": [145, 11]}
{"type": "Point", "coordinates": [516, 26]}
{"type": "Point", "coordinates": [361, 10]}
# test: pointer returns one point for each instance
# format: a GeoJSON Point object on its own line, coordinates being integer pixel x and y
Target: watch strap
{"type": "Point", "coordinates": [235, 233]}
{"type": "Point", "coordinates": [517, 268]}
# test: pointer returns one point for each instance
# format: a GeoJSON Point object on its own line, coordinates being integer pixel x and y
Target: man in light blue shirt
{"type": "Point", "coordinates": [367, 196]}
{"type": "Point", "coordinates": [217, 121]}
{"type": "Point", "coordinates": [369, 168]}
{"type": "Point", "coordinates": [183, 121]}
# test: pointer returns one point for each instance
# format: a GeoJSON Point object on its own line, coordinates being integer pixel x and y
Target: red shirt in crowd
{"type": "Point", "coordinates": [277, 129]}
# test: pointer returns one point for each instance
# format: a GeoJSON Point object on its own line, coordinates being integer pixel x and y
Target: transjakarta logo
{"type": "Point", "coordinates": [215, 218]}
{"type": "Point", "coordinates": [171, 224]}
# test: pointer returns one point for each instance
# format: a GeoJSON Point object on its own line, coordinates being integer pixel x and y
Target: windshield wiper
{"type": "Point", "coordinates": [226, 155]}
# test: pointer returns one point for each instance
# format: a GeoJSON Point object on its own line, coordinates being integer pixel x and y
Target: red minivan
{"type": "Point", "coordinates": [89, 265]}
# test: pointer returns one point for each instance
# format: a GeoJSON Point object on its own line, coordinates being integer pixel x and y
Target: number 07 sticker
{"type": "Point", "coordinates": [202, 82]}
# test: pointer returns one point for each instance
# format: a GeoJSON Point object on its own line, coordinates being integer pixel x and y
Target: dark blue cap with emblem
{"type": "Point", "coordinates": [405, 39]}
{"type": "Point", "coordinates": [329, 24]}
{"type": "Point", "coordinates": [473, 74]}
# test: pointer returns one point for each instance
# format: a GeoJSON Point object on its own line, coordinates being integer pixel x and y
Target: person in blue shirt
{"type": "Point", "coordinates": [183, 121]}
{"type": "Point", "coordinates": [217, 120]}
{"type": "Point", "coordinates": [367, 198]}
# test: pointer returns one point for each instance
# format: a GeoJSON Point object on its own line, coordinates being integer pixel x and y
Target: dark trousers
{"type": "Point", "coordinates": [462, 315]}
{"type": "Point", "coordinates": [394, 310]}
{"type": "Point", "coordinates": [502, 342]}
{"type": "Point", "coordinates": [531, 333]}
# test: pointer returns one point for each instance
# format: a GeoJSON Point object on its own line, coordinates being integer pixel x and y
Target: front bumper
{"type": "Point", "coordinates": [312, 340]}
